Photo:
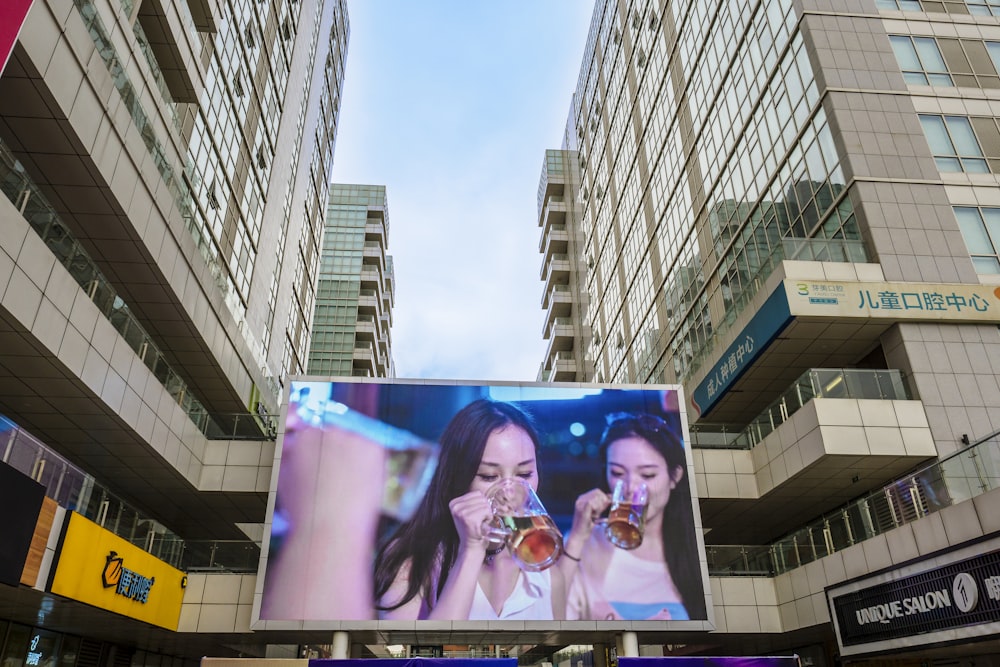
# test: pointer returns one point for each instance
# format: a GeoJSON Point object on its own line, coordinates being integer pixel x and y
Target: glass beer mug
{"type": "Point", "coordinates": [410, 461]}
{"type": "Point", "coordinates": [521, 523]}
{"type": "Point", "coordinates": [627, 517]}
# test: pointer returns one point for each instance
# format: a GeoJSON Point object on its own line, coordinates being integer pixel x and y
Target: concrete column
{"type": "Point", "coordinates": [341, 645]}
{"type": "Point", "coordinates": [629, 645]}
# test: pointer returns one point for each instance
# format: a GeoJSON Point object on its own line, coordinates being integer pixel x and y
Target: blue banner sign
{"type": "Point", "coordinates": [765, 326]}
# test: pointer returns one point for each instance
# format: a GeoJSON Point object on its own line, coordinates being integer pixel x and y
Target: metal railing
{"type": "Point", "coordinates": [44, 221]}
{"type": "Point", "coordinates": [960, 477]}
{"type": "Point", "coordinates": [814, 383]}
{"type": "Point", "coordinates": [76, 490]}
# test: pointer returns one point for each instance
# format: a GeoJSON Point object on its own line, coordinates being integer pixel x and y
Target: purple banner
{"type": "Point", "coordinates": [716, 661]}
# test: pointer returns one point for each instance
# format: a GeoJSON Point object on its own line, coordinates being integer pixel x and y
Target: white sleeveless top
{"type": "Point", "coordinates": [531, 600]}
{"type": "Point", "coordinates": [626, 588]}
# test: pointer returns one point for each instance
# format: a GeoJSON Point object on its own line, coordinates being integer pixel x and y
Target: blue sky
{"type": "Point", "coordinates": [451, 105]}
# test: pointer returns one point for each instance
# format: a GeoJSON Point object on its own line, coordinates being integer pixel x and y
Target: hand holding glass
{"type": "Point", "coordinates": [409, 465]}
{"type": "Point", "coordinates": [521, 523]}
{"type": "Point", "coordinates": [627, 516]}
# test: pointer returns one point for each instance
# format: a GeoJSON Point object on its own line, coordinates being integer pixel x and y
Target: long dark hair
{"type": "Point", "coordinates": [429, 537]}
{"type": "Point", "coordinates": [680, 548]}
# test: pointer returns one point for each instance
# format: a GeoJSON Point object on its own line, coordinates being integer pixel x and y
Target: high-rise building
{"type": "Point", "coordinates": [791, 208]}
{"type": "Point", "coordinates": [354, 296]}
{"type": "Point", "coordinates": [166, 168]}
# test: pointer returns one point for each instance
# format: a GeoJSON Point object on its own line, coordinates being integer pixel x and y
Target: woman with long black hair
{"type": "Point", "coordinates": [441, 564]}
{"type": "Point", "coordinates": [661, 578]}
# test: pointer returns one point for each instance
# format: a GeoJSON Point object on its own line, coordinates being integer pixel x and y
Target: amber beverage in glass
{"type": "Point", "coordinates": [627, 518]}
{"type": "Point", "coordinates": [523, 525]}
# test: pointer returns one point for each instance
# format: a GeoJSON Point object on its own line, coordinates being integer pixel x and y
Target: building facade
{"type": "Point", "coordinates": [356, 289]}
{"type": "Point", "coordinates": [786, 206]}
{"type": "Point", "coordinates": [789, 207]}
{"type": "Point", "coordinates": [166, 168]}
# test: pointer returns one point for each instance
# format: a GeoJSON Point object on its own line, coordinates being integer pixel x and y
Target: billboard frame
{"type": "Point", "coordinates": [533, 631]}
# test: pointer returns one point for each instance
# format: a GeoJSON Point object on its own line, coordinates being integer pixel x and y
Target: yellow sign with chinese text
{"type": "Point", "coordinates": [99, 568]}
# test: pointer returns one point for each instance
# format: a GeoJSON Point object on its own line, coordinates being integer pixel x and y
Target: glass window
{"type": "Point", "coordinates": [15, 652]}
{"type": "Point", "coordinates": [921, 60]}
{"type": "Point", "coordinates": [904, 5]}
{"type": "Point", "coordinates": [954, 144]}
{"type": "Point", "coordinates": [994, 51]}
{"type": "Point", "coordinates": [981, 231]}
{"type": "Point", "coordinates": [984, 7]}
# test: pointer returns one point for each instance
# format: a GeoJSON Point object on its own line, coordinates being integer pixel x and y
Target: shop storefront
{"type": "Point", "coordinates": [951, 598]}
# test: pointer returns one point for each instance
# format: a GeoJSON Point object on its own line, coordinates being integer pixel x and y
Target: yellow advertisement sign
{"type": "Point", "coordinates": [894, 301]}
{"type": "Point", "coordinates": [101, 569]}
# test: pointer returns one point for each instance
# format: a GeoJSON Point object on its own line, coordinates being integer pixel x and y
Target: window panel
{"type": "Point", "coordinates": [981, 231]}
{"type": "Point", "coordinates": [992, 219]}
{"type": "Point", "coordinates": [930, 56]}
{"type": "Point", "coordinates": [937, 135]}
{"type": "Point", "coordinates": [954, 144]}
{"type": "Point", "coordinates": [962, 135]}
{"type": "Point", "coordinates": [921, 61]}
{"type": "Point", "coordinates": [973, 230]}
{"type": "Point", "coordinates": [993, 48]}
{"type": "Point", "coordinates": [906, 55]}
{"type": "Point", "coordinates": [983, 7]}
{"type": "Point", "coordinates": [895, 5]}
{"type": "Point", "coordinates": [986, 265]}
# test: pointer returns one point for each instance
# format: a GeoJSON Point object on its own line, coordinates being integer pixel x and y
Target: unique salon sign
{"type": "Point", "coordinates": [956, 595]}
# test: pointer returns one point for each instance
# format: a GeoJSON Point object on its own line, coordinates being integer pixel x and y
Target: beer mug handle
{"type": "Point", "coordinates": [496, 533]}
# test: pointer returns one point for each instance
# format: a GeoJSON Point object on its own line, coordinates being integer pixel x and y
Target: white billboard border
{"type": "Point", "coordinates": [257, 624]}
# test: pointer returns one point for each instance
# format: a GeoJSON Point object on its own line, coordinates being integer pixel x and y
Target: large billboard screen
{"type": "Point", "coordinates": [419, 501]}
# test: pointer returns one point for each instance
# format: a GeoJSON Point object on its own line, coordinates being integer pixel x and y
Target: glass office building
{"type": "Point", "coordinates": [165, 169]}
{"type": "Point", "coordinates": [789, 207]}
{"type": "Point", "coordinates": [351, 332]}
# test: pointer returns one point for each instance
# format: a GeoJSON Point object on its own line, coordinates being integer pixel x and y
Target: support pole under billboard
{"type": "Point", "coordinates": [341, 645]}
{"type": "Point", "coordinates": [629, 645]}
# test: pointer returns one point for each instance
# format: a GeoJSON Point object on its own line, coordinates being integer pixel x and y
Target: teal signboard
{"type": "Point", "coordinates": [765, 326]}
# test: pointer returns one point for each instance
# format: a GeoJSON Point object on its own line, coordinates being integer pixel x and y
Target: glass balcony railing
{"type": "Point", "coordinates": [962, 476]}
{"type": "Point", "coordinates": [79, 491]}
{"type": "Point", "coordinates": [564, 356]}
{"type": "Point", "coordinates": [43, 219]}
{"type": "Point", "coordinates": [223, 556]}
{"type": "Point", "coordinates": [545, 374]}
{"type": "Point", "coordinates": [814, 383]}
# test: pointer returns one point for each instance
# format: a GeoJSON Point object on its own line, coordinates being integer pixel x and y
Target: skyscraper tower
{"type": "Point", "coordinates": [790, 209]}
{"type": "Point", "coordinates": [165, 169]}
{"type": "Point", "coordinates": [356, 290]}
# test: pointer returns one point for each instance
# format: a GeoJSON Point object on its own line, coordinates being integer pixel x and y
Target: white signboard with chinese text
{"type": "Point", "coordinates": [894, 301]}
